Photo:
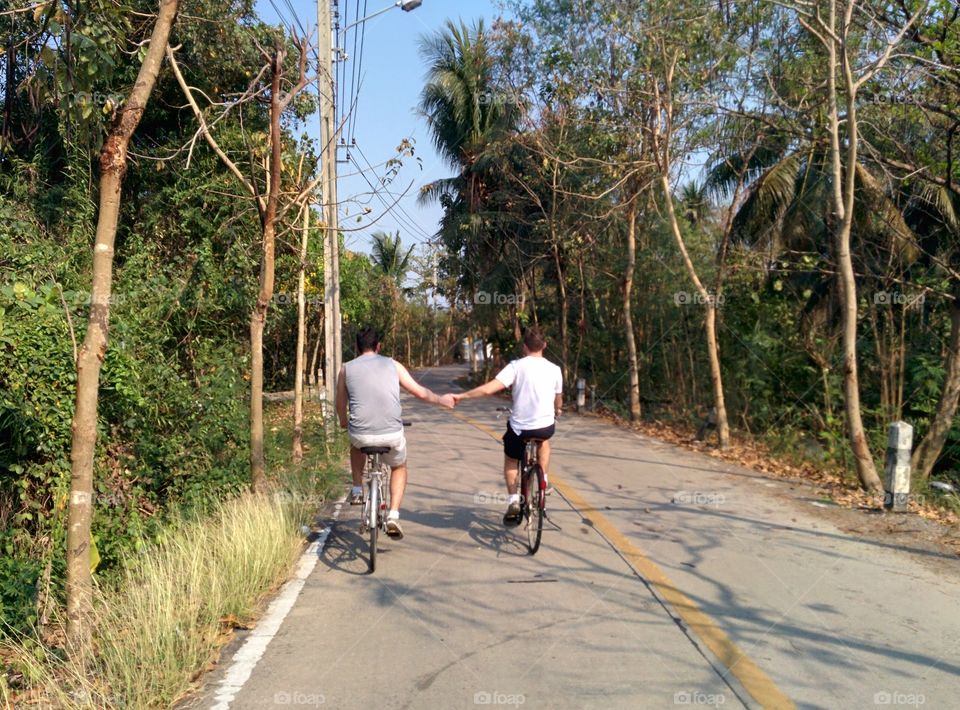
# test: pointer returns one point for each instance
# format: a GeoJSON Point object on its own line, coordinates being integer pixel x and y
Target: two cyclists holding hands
{"type": "Point", "coordinates": [371, 383]}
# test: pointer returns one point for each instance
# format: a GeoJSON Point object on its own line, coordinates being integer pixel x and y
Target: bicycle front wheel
{"type": "Point", "coordinates": [374, 523]}
{"type": "Point", "coordinates": [533, 507]}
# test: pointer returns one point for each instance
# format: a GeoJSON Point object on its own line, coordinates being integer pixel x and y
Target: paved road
{"type": "Point", "coordinates": [675, 580]}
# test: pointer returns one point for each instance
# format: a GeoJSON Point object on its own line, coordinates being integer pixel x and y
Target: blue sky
{"type": "Point", "coordinates": [392, 78]}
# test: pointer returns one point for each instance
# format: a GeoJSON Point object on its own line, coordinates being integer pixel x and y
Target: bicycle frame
{"type": "Point", "coordinates": [376, 476]}
{"type": "Point", "coordinates": [530, 459]}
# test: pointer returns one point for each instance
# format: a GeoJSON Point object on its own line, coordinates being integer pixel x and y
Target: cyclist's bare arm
{"type": "Point", "coordinates": [418, 390]}
{"type": "Point", "coordinates": [484, 390]}
{"type": "Point", "coordinates": [342, 398]}
{"type": "Point", "coordinates": [558, 405]}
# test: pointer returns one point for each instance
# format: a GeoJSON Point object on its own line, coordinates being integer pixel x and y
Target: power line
{"type": "Point", "coordinates": [376, 193]}
{"type": "Point", "coordinates": [363, 40]}
{"type": "Point", "coordinates": [353, 68]}
{"type": "Point", "coordinates": [403, 217]}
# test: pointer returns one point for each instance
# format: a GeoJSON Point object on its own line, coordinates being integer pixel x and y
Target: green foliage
{"type": "Point", "coordinates": [538, 209]}
{"type": "Point", "coordinates": [173, 408]}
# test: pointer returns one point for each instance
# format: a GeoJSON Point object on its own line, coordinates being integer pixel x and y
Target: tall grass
{"type": "Point", "coordinates": [159, 625]}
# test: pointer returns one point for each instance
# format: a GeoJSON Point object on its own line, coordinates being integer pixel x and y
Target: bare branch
{"type": "Point", "coordinates": [261, 203]}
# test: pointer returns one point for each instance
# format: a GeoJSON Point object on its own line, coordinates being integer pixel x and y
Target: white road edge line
{"type": "Point", "coordinates": [246, 659]}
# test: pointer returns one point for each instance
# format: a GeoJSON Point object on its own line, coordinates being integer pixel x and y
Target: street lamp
{"type": "Point", "coordinates": [329, 138]}
{"type": "Point", "coordinates": [405, 5]}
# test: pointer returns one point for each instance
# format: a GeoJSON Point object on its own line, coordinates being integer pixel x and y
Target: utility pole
{"type": "Point", "coordinates": [329, 136]}
{"type": "Point", "coordinates": [328, 34]}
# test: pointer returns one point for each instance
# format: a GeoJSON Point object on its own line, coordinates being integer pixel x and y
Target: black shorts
{"type": "Point", "coordinates": [513, 443]}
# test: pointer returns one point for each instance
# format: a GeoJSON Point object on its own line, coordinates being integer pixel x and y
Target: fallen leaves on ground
{"type": "Point", "coordinates": [830, 484]}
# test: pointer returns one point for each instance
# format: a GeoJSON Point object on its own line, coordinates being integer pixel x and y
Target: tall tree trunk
{"type": "Point", "coordinates": [929, 449]}
{"type": "Point", "coordinates": [301, 344]}
{"type": "Point", "coordinates": [663, 129]}
{"type": "Point", "coordinates": [632, 364]}
{"type": "Point", "coordinates": [113, 166]}
{"type": "Point", "coordinates": [582, 323]}
{"type": "Point", "coordinates": [258, 317]}
{"type": "Point", "coordinates": [844, 187]}
{"type": "Point", "coordinates": [564, 309]}
{"type": "Point", "coordinates": [710, 322]}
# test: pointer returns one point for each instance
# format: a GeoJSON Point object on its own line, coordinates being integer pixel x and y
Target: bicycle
{"type": "Point", "coordinates": [533, 492]}
{"type": "Point", "coordinates": [373, 514]}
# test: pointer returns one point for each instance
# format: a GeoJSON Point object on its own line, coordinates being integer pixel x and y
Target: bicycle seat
{"type": "Point", "coordinates": [368, 450]}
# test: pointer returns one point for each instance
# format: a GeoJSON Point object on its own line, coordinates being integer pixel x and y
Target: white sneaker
{"type": "Point", "coordinates": [393, 528]}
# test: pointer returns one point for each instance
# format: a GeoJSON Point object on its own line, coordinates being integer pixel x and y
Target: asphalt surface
{"type": "Point", "coordinates": [673, 579]}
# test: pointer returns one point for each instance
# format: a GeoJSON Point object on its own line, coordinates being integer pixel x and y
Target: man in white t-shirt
{"type": "Point", "coordinates": [537, 399]}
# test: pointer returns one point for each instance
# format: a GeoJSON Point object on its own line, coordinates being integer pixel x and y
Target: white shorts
{"type": "Point", "coordinates": [397, 455]}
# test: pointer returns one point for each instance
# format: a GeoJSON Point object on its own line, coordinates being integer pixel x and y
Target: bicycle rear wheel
{"type": "Point", "coordinates": [533, 506]}
{"type": "Point", "coordinates": [374, 522]}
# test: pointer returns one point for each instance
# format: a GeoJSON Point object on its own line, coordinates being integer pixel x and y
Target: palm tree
{"type": "Point", "coordinates": [786, 212]}
{"type": "Point", "coordinates": [461, 106]}
{"type": "Point", "coordinates": [466, 115]}
{"type": "Point", "coordinates": [389, 258]}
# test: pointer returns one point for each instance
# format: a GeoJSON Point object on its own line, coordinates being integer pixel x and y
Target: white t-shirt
{"type": "Point", "coordinates": [535, 382]}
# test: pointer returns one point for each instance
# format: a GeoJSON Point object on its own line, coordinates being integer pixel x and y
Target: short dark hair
{"type": "Point", "coordinates": [533, 339]}
{"type": "Point", "coordinates": [367, 339]}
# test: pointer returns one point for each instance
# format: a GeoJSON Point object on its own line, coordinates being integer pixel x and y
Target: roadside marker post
{"type": "Point", "coordinates": [897, 484]}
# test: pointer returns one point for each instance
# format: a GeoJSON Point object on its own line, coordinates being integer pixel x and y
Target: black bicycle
{"type": "Point", "coordinates": [533, 492]}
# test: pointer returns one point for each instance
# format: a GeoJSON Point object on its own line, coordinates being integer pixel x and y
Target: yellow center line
{"type": "Point", "coordinates": [756, 682]}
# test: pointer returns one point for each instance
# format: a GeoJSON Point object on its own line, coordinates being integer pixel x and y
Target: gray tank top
{"type": "Point", "coordinates": [373, 386]}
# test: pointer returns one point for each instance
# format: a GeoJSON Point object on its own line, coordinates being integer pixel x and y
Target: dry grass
{"type": "Point", "coordinates": [160, 625]}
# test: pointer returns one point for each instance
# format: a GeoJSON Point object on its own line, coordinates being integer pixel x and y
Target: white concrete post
{"type": "Point", "coordinates": [897, 483]}
{"type": "Point", "coordinates": [581, 394]}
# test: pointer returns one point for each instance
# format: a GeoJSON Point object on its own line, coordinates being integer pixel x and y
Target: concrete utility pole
{"type": "Point", "coordinates": [328, 40]}
{"type": "Point", "coordinates": [329, 136]}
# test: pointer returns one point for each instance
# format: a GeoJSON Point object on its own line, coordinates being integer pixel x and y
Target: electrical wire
{"type": "Point", "coordinates": [404, 218]}
{"type": "Point", "coordinates": [363, 39]}
{"type": "Point", "coordinates": [376, 192]}
{"type": "Point", "coordinates": [408, 217]}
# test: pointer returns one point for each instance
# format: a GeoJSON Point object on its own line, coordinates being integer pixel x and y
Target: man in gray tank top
{"type": "Point", "coordinates": [370, 384]}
